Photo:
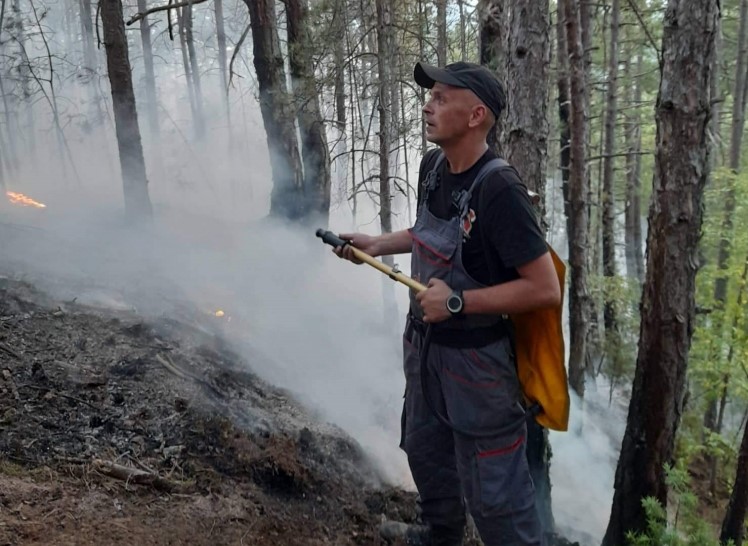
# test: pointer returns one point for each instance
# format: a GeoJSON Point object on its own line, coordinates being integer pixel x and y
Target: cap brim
{"type": "Point", "coordinates": [427, 75]}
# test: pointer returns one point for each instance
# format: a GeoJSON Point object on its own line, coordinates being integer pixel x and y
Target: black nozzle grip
{"type": "Point", "coordinates": [331, 239]}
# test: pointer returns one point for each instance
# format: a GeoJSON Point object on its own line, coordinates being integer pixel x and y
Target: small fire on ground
{"type": "Point", "coordinates": [23, 200]}
{"type": "Point", "coordinates": [220, 313]}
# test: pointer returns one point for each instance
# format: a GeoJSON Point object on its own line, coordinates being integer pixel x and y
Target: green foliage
{"type": "Point", "coordinates": [720, 343]}
{"type": "Point", "coordinates": [682, 526]}
{"type": "Point", "coordinates": [620, 346]}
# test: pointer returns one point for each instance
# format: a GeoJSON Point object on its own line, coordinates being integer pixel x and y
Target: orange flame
{"type": "Point", "coordinates": [23, 200]}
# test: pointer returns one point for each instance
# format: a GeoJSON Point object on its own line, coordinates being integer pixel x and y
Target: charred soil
{"type": "Point", "coordinates": [119, 430]}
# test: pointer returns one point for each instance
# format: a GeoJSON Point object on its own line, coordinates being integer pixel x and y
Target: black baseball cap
{"type": "Point", "coordinates": [479, 79]}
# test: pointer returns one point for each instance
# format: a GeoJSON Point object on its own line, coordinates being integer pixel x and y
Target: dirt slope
{"type": "Point", "coordinates": [118, 431]}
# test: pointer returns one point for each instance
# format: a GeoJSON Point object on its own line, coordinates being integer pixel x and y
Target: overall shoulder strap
{"type": "Point", "coordinates": [462, 201]}
{"type": "Point", "coordinates": [431, 180]}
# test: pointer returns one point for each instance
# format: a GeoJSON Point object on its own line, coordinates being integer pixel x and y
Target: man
{"type": "Point", "coordinates": [478, 245]}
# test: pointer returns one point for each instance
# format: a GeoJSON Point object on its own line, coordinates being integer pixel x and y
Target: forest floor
{"type": "Point", "coordinates": [118, 431]}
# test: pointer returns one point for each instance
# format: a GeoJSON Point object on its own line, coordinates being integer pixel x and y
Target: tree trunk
{"type": "Point", "coordinates": [525, 132]}
{"type": "Point", "coordinates": [717, 96]}
{"type": "Point", "coordinates": [611, 112]}
{"type": "Point", "coordinates": [135, 183]}
{"type": "Point", "coordinates": [340, 32]}
{"type": "Point", "coordinates": [667, 308]}
{"type": "Point", "coordinates": [222, 65]}
{"type": "Point", "coordinates": [593, 227]}
{"type": "Point", "coordinates": [493, 49]}
{"type": "Point", "coordinates": [314, 148]}
{"type": "Point", "coordinates": [286, 199]}
{"type": "Point", "coordinates": [634, 254]}
{"type": "Point", "coordinates": [87, 32]}
{"type": "Point", "coordinates": [384, 53]}
{"type": "Point", "coordinates": [493, 35]}
{"type": "Point", "coordinates": [25, 76]}
{"type": "Point", "coordinates": [441, 32]}
{"type": "Point", "coordinates": [463, 31]}
{"type": "Point", "coordinates": [525, 145]}
{"type": "Point", "coordinates": [195, 69]}
{"type": "Point", "coordinates": [736, 140]}
{"type": "Point", "coordinates": [738, 106]}
{"type": "Point", "coordinates": [579, 298]}
{"type": "Point", "coordinates": [423, 30]}
{"type": "Point", "coordinates": [187, 68]}
{"type": "Point", "coordinates": [733, 526]}
{"type": "Point", "coordinates": [387, 137]}
{"type": "Point", "coordinates": [562, 83]}
{"type": "Point", "coordinates": [150, 75]}
{"type": "Point", "coordinates": [11, 157]}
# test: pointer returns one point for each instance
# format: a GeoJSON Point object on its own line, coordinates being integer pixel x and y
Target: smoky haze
{"type": "Point", "coordinates": [303, 319]}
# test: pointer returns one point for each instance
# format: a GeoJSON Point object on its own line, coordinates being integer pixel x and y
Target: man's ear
{"type": "Point", "coordinates": [478, 115]}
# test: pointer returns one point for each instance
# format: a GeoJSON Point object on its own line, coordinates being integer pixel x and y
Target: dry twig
{"type": "Point", "coordinates": [133, 475]}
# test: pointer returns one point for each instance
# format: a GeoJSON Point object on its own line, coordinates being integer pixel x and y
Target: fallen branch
{"type": "Point", "coordinates": [133, 475]}
{"type": "Point", "coordinates": [167, 363]}
{"type": "Point", "coordinates": [57, 393]}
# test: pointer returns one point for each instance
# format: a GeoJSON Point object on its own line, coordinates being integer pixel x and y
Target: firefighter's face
{"type": "Point", "coordinates": [450, 113]}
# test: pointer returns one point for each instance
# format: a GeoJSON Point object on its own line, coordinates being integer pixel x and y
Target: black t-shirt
{"type": "Point", "coordinates": [501, 212]}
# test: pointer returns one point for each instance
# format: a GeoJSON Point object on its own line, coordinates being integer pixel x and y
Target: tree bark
{"type": "Point", "coordinates": [493, 35]}
{"type": "Point", "coordinates": [493, 49]}
{"type": "Point", "coordinates": [667, 308]}
{"type": "Point", "coordinates": [578, 236]}
{"type": "Point", "coordinates": [634, 254]}
{"type": "Point", "coordinates": [24, 71]}
{"type": "Point", "coordinates": [463, 30]}
{"type": "Point", "coordinates": [89, 47]}
{"type": "Point", "coordinates": [195, 69]}
{"type": "Point", "coordinates": [736, 141]}
{"type": "Point", "coordinates": [384, 107]}
{"type": "Point", "coordinates": [134, 180]}
{"type": "Point", "coordinates": [609, 149]}
{"type": "Point", "coordinates": [314, 149]}
{"type": "Point", "coordinates": [717, 96]}
{"type": "Point", "coordinates": [340, 33]}
{"type": "Point", "coordinates": [733, 526]}
{"type": "Point", "coordinates": [562, 83]}
{"type": "Point", "coordinates": [441, 32]}
{"type": "Point", "coordinates": [525, 131]}
{"type": "Point", "coordinates": [525, 145]}
{"type": "Point", "coordinates": [221, 42]}
{"type": "Point", "coordinates": [150, 74]}
{"type": "Point", "coordinates": [387, 135]}
{"type": "Point", "coordinates": [187, 69]}
{"type": "Point", "coordinates": [286, 199]}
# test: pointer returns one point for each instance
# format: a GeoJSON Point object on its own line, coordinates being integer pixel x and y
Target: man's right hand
{"type": "Point", "coordinates": [366, 243]}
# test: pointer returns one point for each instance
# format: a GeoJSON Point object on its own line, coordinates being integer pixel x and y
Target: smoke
{"type": "Point", "coordinates": [303, 319]}
{"type": "Point", "coordinates": [584, 462]}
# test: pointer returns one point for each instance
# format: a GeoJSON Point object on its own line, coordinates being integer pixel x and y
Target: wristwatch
{"type": "Point", "coordinates": [455, 302]}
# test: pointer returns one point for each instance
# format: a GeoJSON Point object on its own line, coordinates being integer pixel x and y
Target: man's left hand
{"type": "Point", "coordinates": [433, 300]}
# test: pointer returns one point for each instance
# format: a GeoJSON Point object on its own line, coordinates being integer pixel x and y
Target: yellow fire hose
{"type": "Point", "coordinates": [333, 240]}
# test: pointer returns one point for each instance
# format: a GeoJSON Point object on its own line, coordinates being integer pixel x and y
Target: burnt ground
{"type": "Point", "coordinates": [116, 430]}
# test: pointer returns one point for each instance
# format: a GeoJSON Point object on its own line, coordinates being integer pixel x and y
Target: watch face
{"type": "Point", "coordinates": [454, 303]}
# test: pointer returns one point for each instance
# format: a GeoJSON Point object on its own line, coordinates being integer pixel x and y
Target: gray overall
{"type": "Point", "coordinates": [472, 382]}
